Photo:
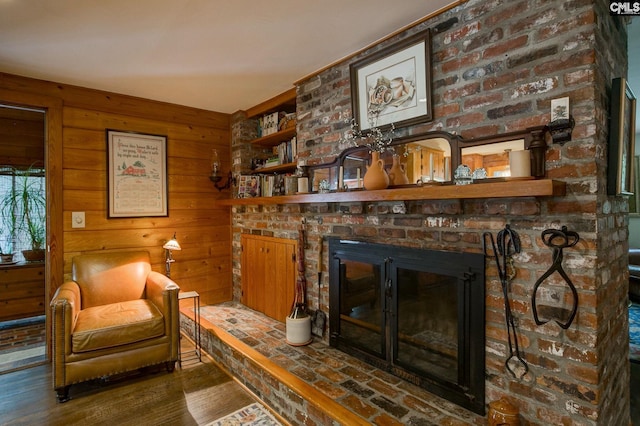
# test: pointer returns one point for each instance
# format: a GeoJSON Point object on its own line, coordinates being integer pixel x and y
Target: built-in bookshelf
{"type": "Point", "coordinates": [281, 138]}
{"type": "Point", "coordinates": [276, 120]}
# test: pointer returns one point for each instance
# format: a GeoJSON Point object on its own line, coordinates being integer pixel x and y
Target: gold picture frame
{"type": "Point", "coordinates": [622, 132]}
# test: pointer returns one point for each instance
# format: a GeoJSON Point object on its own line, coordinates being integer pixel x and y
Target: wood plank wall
{"type": "Point", "coordinates": [22, 137]}
{"type": "Point", "coordinates": [202, 227]}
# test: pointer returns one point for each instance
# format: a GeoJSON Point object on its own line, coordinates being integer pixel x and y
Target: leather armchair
{"type": "Point", "coordinates": [116, 315]}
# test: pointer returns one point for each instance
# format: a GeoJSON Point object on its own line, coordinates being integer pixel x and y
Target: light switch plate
{"type": "Point", "coordinates": [77, 220]}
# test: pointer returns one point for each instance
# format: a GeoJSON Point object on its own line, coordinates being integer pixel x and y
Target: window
{"type": "Point", "coordinates": [20, 228]}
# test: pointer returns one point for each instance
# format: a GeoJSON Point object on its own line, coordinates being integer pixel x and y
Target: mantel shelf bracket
{"type": "Point", "coordinates": [561, 129]}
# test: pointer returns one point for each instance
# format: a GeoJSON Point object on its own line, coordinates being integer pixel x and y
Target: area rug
{"type": "Point", "coordinates": [634, 332]}
{"type": "Point", "coordinates": [251, 415]}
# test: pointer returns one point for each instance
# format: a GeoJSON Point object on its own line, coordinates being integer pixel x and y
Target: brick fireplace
{"type": "Point", "coordinates": [496, 67]}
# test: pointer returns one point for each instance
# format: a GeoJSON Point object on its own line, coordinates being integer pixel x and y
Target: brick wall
{"type": "Point", "coordinates": [18, 334]}
{"type": "Point", "coordinates": [496, 67]}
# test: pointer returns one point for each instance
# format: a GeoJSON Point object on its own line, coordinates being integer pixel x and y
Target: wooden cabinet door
{"type": "Point", "coordinates": [22, 291]}
{"type": "Point", "coordinates": [253, 268]}
{"type": "Point", "coordinates": [268, 274]}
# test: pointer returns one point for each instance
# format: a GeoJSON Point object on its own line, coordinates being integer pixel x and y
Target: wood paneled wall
{"type": "Point", "coordinates": [21, 137]}
{"type": "Point", "coordinates": [201, 226]}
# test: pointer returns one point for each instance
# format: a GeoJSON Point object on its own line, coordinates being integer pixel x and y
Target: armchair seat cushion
{"type": "Point", "coordinates": [116, 324]}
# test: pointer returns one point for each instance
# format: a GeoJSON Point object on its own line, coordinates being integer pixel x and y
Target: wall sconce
{"type": "Point", "coordinates": [215, 176]}
{"type": "Point", "coordinates": [169, 246]}
{"type": "Point", "coordinates": [562, 122]}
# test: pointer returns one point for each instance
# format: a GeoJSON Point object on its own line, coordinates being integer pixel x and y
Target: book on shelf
{"type": "Point", "coordinates": [273, 161]}
{"type": "Point", "coordinates": [270, 123]}
{"type": "Point", "coordinates": [275, 122]}
{"type": "Point", "coordinates": [271, 185]}
{"type": "Point", "coordinates": [248, 186]}
{"type": "Point", "coordinates": [287, 151]}
{"type": "Point", "coordinates": [283, 153]}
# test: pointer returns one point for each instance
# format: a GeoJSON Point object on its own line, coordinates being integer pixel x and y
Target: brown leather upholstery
{"type": "Point", "coordinates": [116, 315]}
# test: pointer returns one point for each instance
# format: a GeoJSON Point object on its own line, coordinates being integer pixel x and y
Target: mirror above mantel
{"type": "Point", "coordinates": [432, 157]}
{"type": "Point", "coordinates": [493, 158]}
{"type": "Point", "coordinates": [426, 157]}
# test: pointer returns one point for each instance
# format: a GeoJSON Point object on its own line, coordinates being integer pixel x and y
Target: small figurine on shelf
{"type": "Point", "coordinates": [257, 163]}
{"type": "Point", "coordinates": [323, 187]}
{"type": "Point", "coordinates": [462, 175]}
{"type": "Point", "coordinates": [479, 174]}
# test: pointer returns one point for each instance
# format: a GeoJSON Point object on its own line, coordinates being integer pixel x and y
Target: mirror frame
{"type": "Point", "coordinates": [535, 139]}
{"type": "Point", "coordinates": [454, 141]}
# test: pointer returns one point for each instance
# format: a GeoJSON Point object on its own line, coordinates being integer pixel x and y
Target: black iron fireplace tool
{"type": "Point", "coordinates": [508, 243]}
{"type": "Point", "coordinates": [557, 239]}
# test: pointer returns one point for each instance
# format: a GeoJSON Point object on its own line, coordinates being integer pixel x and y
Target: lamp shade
{"type": "Point", "coordinates": [172, 244]}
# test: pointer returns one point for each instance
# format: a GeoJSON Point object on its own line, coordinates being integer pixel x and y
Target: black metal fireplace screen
{"type": "Point", "coordinates": [418, 314]}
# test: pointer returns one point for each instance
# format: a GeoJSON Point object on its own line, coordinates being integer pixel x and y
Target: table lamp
{"type": "Point", "coordinates": [169, 246]}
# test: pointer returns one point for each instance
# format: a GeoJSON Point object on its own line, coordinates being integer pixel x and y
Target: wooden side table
{"type": "Point", "coordinates": [196, 331]}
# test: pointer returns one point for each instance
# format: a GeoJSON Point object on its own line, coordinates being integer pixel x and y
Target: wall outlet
{"type": "Point", "coordinates": [77, 220]}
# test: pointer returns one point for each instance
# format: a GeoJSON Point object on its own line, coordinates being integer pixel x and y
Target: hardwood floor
{"type": "Point", "coordinates": [194, 394]}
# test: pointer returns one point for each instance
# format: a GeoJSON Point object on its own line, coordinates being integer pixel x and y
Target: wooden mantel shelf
{"type": "Point", "coordinates": [505, 189]}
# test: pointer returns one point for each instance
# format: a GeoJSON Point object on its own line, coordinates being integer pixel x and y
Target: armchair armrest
{"type": "Point", "coordinates": [160, 290]}
{"type": "Point", "coordinates": [163, 292]}
{"type": "Point", "coordinates": [65, 305]}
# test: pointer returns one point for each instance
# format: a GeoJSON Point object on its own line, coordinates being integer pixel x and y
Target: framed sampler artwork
{"type": "Point", "coordinates": [137, 174]}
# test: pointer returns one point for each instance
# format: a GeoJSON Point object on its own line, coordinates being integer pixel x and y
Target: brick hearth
{"type": "Point", "coordinates": [314, 384]}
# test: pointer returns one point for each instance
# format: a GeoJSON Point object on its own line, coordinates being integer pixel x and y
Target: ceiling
{"type": "Point", "coordinates": [217, 55]}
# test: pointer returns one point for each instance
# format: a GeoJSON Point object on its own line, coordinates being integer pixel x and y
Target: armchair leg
{"type": "Point", "coordinates": [62, 394]}
{"type": "Point", "coordinates": [170, 365]}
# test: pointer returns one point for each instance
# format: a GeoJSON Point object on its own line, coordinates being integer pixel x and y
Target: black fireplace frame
{"type": "Point", "coordinates": [469, 271]}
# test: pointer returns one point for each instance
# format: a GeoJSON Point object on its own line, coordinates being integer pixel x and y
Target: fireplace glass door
{"type": "Point", "coordinates": [426, 323]}
{"type": "Point", "coordinates": [418, 314]}
{"type": "Point", "coordinates": [361, 319]}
